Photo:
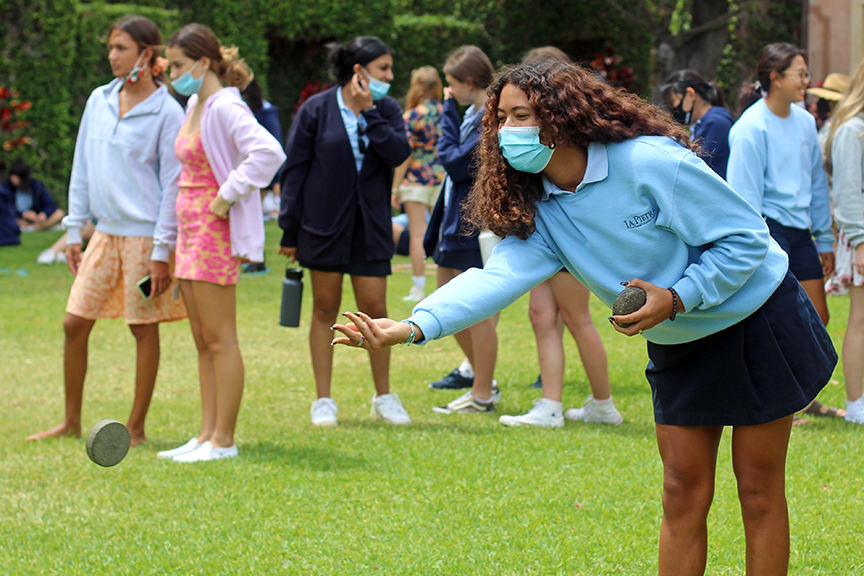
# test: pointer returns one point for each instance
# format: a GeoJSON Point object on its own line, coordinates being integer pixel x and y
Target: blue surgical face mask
{"type": "Point", "coordinates": [376, 87]}
{"type": "Point", "coordinates": [186, 85]}
{"type": "Point", "coordinates": [522, 148]}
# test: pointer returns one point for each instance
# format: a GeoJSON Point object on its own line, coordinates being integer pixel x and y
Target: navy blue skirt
{"type": "Point", "coordinates": [458, 259]}
{"type": "Point", "coordinates": [357, 264]}
{"type": "Point", "coordinates": [769, 365]}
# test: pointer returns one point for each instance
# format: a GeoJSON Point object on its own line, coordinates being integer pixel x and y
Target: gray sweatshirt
{"type": "Point", "coordinates": [847, 158]}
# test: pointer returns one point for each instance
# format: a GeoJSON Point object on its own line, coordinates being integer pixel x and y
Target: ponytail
{"type": "Point", "coordinates": [233, 70]}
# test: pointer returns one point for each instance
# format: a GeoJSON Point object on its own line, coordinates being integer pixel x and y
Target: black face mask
{"type": "Point", "coordinates": [679, 115]}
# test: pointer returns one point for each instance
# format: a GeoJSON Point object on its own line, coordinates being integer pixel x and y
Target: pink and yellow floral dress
{"type": "Point", "coordinates": [203, 239]}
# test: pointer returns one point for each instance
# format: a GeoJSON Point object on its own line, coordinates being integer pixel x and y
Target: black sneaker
{"type": "Point", "coordinates": [453, 381]}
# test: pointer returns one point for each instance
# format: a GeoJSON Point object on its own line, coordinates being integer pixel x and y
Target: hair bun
{"type": "Point", "coordinates": [336, 56]}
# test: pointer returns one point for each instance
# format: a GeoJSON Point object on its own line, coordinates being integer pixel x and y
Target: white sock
{"type": "Point", "coordinates": [554, 406]}
{"type": "Point", "coordinates": [603, 403]}
{"type": "Point", "coordinates": [419, 282]}
{"type": "Point", "coordinates": [466, 369]}
{"type": "Point", "coordinates": [487, 401]}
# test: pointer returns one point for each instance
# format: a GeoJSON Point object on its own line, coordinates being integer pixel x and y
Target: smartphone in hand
{"type": "Point", "coordinates": [145, 286]}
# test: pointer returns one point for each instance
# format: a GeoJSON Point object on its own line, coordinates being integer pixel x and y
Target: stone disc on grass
{"type": "Point", "coordinates": [629, 300]}
{"type": "Point", "coordinates": [108, 443]}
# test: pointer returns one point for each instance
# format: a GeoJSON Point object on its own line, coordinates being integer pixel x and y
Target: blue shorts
{"type": "Point", "coordinates": [804, 260]}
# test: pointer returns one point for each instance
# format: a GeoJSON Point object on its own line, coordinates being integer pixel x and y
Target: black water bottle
{"type": "Point", "coordinates": [292, 298]}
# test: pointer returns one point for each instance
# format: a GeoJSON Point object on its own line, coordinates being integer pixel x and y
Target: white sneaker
{"type": "Point", "coordinates": [184, 449]}
{"type": "Point", "coordinates": [415, 295]}
{"type": "Point", "coordinates": [389, 408]}
{"type": "Point", "coordinates": [60, 258]}
{"type": "Point", "coordinates": [206, 452]}
{"type": "Point", "coordinates": [46, 257]}
{"type": "Point", "coordinates": [605, 413]}
{"type": "Point", "coordinates": [855, 411]}
{"type": "Point", "coordinates": [542, 414]}
{"type": "Point", "coordinates": [324, 413]}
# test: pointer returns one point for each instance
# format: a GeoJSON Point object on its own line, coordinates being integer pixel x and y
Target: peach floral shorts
{"type": "Point", "coordinates": [107, 283]}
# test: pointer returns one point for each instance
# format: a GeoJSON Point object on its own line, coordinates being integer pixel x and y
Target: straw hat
{"type": "Point", "coordinates": [833, 88]}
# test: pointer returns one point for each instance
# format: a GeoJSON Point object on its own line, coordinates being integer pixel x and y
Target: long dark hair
{"type": "Point", "coordinates": [573, 108]}
{"type": "Point", "coordinates": [361, 50]}
{"type": "Point", "coordinates": [145, 34]}
{"type": "Point", "coordinates": [772, 58]}
{"type": "Point", "coordinates": [680, 81]}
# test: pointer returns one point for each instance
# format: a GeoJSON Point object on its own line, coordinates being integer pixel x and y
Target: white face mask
{"type": "Point", "coordinates": [135, 74]}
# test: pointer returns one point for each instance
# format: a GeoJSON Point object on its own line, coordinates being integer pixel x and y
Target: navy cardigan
{"type": "Point", "coordinates": [446, 226]}
{"type": "Point", "coordinates": [321, 189]}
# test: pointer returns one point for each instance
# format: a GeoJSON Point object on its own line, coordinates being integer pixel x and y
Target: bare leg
{"type": "Point", "coordinates": [216, 306]}
{"type": "Point", "coordinates": [147, 366]}
{"type": "Point", "coordinates": [77, 331]}
{"type": "Point", "coordinates": [326, 299]}
{"type": "Point", "coordinates": [206, 372]}
{"type": "Point", "coordinates": [572, 298]}
{"type": "Point", "coordinates": [853, 345]}
{"type": "Point", "coordinates": [484, 342]}
{"type": "Point", "coordinates": [480, 344]}
{"type": "Point", "coordinates": [548, 331]}
{"type": "Point", "coordinates": [50, 221]}
{"type": "Point", "coordinates": [370, 293]}
{"type": "Point", "coordinates": [416, 212]}
{"type": "Point", "coordinates": [689, 455]}
{"type": "Point", "coordinates": [816, 291]}
{"type": "Point", "coordinates": [463, 338]}
{"type": "Point", "coordinates": [759, 460]}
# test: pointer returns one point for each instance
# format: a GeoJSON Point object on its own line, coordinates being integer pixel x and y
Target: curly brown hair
{"type": "Point", "coordinates": [573, 108]}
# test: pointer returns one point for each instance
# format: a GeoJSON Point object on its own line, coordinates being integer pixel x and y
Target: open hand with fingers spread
{"type": "Point", "coordinates": [374, 335]}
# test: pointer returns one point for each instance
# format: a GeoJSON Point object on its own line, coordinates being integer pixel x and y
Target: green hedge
{"type": "Point", "coordinates": [59, 55]}
{"type": "Point", "coordinates": [760, 24]}
{"type": "Point", "coordinates": [37, 58]}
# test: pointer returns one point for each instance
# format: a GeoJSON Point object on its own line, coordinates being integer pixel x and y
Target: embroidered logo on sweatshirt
{"type": "Point", "coordinates": [640, 220]}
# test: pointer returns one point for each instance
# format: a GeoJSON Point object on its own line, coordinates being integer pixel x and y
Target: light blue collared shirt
{"type": "Point", "coordinates": [351, 120]}
{"type": "Point", "coordinates": [646, 208]}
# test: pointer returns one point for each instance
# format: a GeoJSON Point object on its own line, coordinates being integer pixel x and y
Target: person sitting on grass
{"type": "Point", "coordinates": [577, 174]}
{"type": "Point", "coordinates": [31, 203]}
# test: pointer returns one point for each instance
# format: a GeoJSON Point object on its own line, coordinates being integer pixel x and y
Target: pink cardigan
{"type": "Point", "coordinates": [244, 158]}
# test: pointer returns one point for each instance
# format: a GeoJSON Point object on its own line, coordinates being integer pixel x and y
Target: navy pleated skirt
{"type": "Point", "coordinates": [769, 365]}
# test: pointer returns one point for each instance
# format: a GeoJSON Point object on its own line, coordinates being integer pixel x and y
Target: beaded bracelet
{"type": "Point", "coordinates": [410, 340]}
{"type": "Point", "coordinates": [674, 304]}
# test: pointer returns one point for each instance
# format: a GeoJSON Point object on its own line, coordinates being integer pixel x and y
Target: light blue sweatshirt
{"type": "Point", "coordinates": [125, 171]}
{"type": "Point", "coordinates": [646, 208]}
{"type": "Point", "coordinates": [776, 164]}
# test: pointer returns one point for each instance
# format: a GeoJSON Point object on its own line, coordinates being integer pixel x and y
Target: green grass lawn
{"type": "Point", "coordinates": [450, 495]}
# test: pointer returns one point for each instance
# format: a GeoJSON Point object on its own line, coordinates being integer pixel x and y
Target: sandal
{"type": "Point", "coordinates": [817, 408]}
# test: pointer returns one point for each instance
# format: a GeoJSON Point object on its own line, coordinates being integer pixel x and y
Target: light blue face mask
{"type": "Point", "coordinates": [186, 85]}
{"type": "Point", "coordinates": [522, 148]}
{"type": "Point", "coordinates": [376, 87]}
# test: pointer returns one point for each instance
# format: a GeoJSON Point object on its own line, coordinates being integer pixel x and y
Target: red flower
{"type": "Point", "coordinates": [4, 93]}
